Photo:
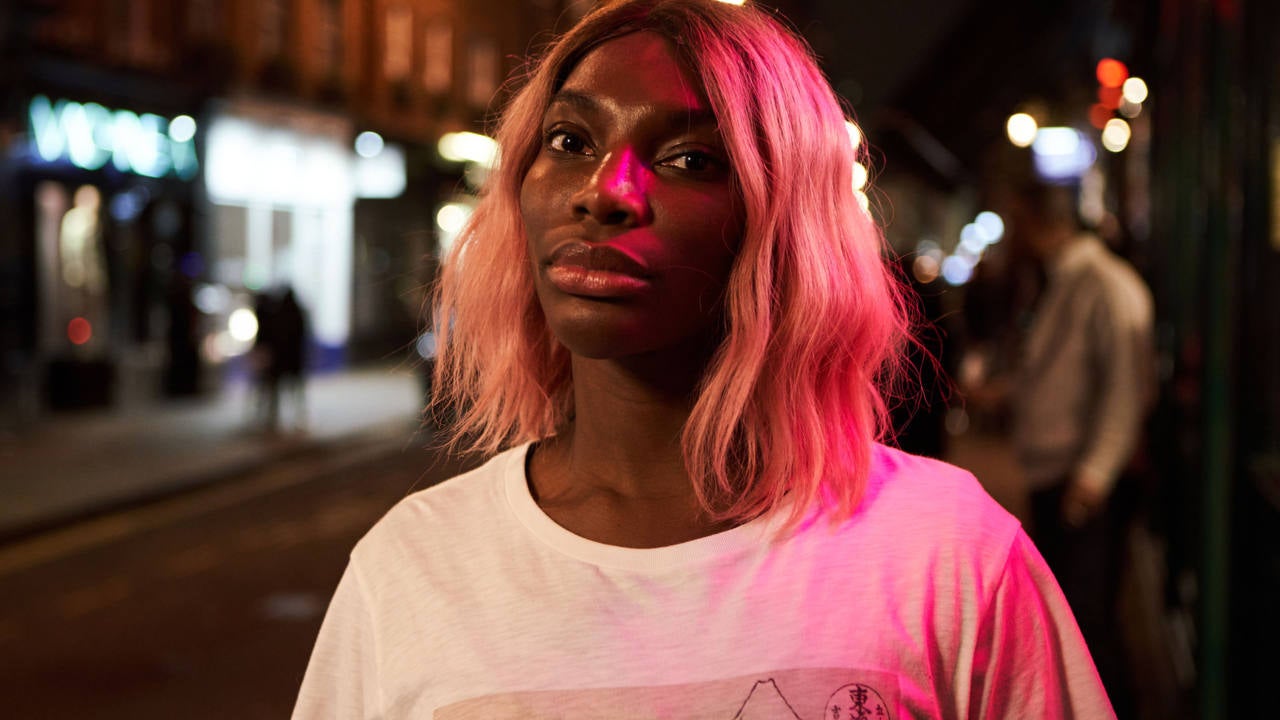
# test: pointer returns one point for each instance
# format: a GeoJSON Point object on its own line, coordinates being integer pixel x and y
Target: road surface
{"type": "Point", "coordinates": [202, 606]}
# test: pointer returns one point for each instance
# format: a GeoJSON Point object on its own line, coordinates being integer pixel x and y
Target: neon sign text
{"type": "Point", "coordinates": [90, 135]}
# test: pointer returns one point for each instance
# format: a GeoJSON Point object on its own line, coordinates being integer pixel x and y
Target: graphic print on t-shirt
{"type": "Point", "coordinates": [798, 694]}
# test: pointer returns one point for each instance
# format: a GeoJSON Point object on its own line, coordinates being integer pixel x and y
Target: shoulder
{"type": "Point", "coordinates": [443, 515]}
{"type": "Point", "coordinates": [922, 505]}
{"type": "Point", "coordinates": [933, 490]}
{"type": "Point", "coordinates": [1114, 278]}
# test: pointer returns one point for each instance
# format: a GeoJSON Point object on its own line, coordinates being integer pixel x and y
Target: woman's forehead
{"type": "Point", "coordinates": [638, 69]}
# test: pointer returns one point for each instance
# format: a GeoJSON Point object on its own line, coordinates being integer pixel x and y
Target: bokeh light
{"type": "Point", "coordinates": [1135, 90]}
{"type": "Point", "coordinates": [212, 299]}
{"type": "Point", "coordinates": [1099, 114]}
{"type": "Point", "coordinates": [468, 147]}
{"type": "Point", "coordinates": [182, 128]}
{"type": "Point", "coordinates": [1021, 129]}
{"type": "Point", "coordinates": [925, 268]}
{"type": "Point", "coordinates": [426, 345]}
{"type": "Point", "coordinates": [991, 224]}
{"type": "Point", "coordinates": [859, 176]}
{"type": "Point", "coordinates": [957, 270]}
{"type": "Point", "coordinates": [855, 134]}
{"type": "Point", "coordinates": [1111, 73]}
{"type": "Point", "coordinates": [225, 346]}
{"type": "Point", "coordinates": [242, 325]}
{"type": "Point", "coordinates": [191, 264]}
{"type": "Point", "coordinates": [1062, 153]}
{"type": "Point", "coordinates": [369, 144]}
{"type": "Point", "coordinates": [79, 331]}
{"type": "Point", "coordinates": [1115, 136]}
{"type": "Point", "coordinates": [973, 239]}
{"type": "Point", "coordinates": [451, 217]}
{"type": "Point", "coordinates": [1110, 97]}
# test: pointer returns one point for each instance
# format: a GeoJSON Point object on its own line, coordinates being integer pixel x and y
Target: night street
{"type": "Point", "coordinates": [255, 253]}
{"type": "Point", "coordinates": [202, 606]}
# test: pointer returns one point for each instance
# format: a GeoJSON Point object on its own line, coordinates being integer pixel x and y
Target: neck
{"type": "Point", "coordinates": [1058, 238]}
{"type": "Point", "coordinates": [616, 473]}
{"type": "Point", "coordinates": [628, 418]}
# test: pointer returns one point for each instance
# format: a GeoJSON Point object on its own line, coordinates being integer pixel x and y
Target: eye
{"type": "Point", "coordinates": [567, 141]}
{"type": "Point", "coordinates": [696, 162]}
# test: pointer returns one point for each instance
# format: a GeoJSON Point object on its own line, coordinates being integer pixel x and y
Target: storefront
{"type": "Point", "coordinates": [102, 201]}
{"type": "Point", "coordinates": [138, 234]}
{"type": "Point", "coordinates": [281, 184]}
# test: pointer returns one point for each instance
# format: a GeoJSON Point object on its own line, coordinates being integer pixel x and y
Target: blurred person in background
{"type": "Point", "coordinates": [670, 320]}
{"type": "Point", "coordinates": [1079, 397]}
{"type": "Point", "coordinates": [279, 353]}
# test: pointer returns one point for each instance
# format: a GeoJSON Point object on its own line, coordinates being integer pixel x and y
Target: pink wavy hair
{"type": "Point", "coordinates": [791, 403]}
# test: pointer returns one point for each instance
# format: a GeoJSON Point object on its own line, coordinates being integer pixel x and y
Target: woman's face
{"type": "Point", "coordinates": [631, 216]}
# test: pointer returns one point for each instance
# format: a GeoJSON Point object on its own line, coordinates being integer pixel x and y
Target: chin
{"type": "Point", "coordinates": [604, 330]}
{"type": "Point", "coordinates": [590, 338]}
{"type": "Point", "coordinates": [684, 348]}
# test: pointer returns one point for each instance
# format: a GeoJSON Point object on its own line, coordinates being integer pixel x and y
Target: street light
{"type": "Point", "coordinates": [1021, 129]}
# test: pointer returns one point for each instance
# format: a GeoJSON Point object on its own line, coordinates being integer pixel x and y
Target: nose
{"type": "Point", "coordinates": [616, 194]}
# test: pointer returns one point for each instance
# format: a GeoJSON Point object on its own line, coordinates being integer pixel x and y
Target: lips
{"type": "Point", "coordinates": [599, 271]}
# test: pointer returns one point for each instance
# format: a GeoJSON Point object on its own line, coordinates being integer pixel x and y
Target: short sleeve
{"type": "Point", "coordinates": [341, 679]}
{"type": "Point", "coordinates": [1031, 660]}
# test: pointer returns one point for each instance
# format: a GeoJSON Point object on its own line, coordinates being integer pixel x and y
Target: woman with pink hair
{"type": "Point", "coordinates": [670, 323]}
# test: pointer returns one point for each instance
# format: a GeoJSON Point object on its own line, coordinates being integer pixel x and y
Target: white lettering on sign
{"type": "Point", "coordinates": [89, 136]}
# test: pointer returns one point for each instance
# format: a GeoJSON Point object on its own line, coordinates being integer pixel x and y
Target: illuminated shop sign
{"type": "Point", "coordinates": [89, 136]}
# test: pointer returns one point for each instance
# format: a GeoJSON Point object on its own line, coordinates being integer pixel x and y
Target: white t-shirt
{"type": "Point", "coordinates": [467, 601]}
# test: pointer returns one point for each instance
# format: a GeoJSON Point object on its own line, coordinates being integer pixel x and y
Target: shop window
{"type": "Point", "coordinates": [73, 267]}
{"type": "Point", "coordinates": [230, 227]}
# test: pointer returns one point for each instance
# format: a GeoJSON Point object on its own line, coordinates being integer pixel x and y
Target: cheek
{"type": "Point", "coordinates": [546, 203]}
{"type": "Point", "coordinates": [714, 219]}
{"type": "Point", "coordinates": [528, 201]}
{"type": "Point", "coordinates": [726, 224]}
{"type": "Point", "coordinates": [701, 272]}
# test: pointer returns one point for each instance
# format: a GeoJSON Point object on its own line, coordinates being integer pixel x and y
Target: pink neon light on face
{"type": "Point", "coordinates": [631, 216]}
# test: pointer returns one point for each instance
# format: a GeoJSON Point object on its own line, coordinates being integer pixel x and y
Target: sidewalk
{"type": "Point", "coordinates": [75, 465]}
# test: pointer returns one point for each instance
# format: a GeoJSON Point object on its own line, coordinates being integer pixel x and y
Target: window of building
{"type": "Point", "coordinates": [326, 40]}
{"type": "Point", "coordinates": [482, 71]}
{"type": "Point", "coordinates": [397, 58]}
{"type": "Point", "coordinates": [204, 20]}
{"type": "Point", "coordinates": [437, 66]}
{"type": "Point", "coordinates": [271, 16]}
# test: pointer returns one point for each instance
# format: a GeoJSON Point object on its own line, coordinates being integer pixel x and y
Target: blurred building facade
{"type": "Point", "coordinates": [165, 161]}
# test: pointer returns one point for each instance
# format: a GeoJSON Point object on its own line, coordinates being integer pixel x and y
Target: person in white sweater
{"type": "Point", "coordinates": [1083, 387]}
{"type": "Point", "coordinates": [671, 324]}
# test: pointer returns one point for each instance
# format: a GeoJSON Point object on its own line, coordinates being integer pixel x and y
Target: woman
{"type": "Point", "coordinates": [670, 319]}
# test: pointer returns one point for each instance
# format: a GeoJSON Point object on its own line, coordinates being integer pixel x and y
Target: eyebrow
{"type": "Point", "coordinates": [674, 116]}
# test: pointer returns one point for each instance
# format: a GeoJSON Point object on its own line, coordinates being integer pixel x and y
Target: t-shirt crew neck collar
{"type": "Point", "coordinates": [745, 537]}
